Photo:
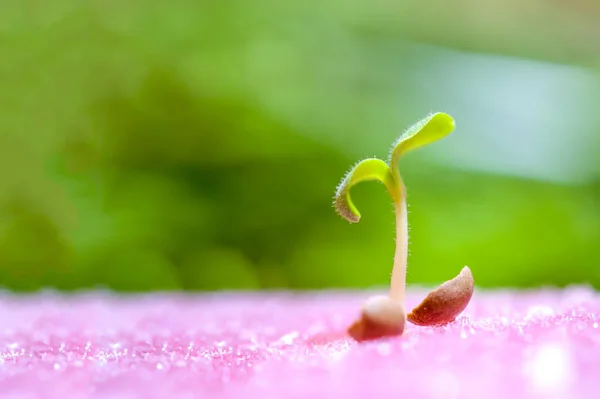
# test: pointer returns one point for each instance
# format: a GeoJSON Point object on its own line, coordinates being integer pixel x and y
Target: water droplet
{"type": "Point", "coordinates": [539, 312]}
{"type": "Point", "coordinates": [550, 369]}
{"type": "Point", "coordinates": [288, 339]}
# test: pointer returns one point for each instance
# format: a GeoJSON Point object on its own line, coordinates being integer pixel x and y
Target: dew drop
{"type": "Point", "coordinates": [288, 339]}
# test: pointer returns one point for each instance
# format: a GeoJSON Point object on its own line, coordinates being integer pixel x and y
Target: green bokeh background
{"type": "Point", "coordinates": [197, 145]}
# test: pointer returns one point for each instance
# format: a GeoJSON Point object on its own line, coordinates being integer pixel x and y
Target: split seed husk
{"type": "Point", "coordinates": [442, 305]}
{"type": "Point", "coordinates": [380, 317]}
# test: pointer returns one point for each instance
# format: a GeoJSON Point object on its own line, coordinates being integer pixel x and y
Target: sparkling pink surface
{"type": "Point", "coordinates": [542, 344]}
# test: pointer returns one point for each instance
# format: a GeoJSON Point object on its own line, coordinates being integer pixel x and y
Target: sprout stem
{"type": "Point", "coordinates": [398, 280]}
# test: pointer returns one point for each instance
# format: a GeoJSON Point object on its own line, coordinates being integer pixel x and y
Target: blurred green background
{"type": "Point", "coordinates": [197, 144]}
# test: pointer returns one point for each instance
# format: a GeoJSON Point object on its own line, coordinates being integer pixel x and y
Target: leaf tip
{"type": "Point", "coordinates": [367, 169]}
{"type": "Point", "coordinates": [433, 127]}
{"type": "Point", "coordinates": [344, 208]}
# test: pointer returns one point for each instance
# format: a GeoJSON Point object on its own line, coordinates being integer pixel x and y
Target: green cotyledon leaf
{"type": "Point", "coordinates": [432, 128]}
{"type": "Point", "coordinates": [366, 170]}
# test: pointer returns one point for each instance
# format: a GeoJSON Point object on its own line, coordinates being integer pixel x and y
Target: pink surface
{"type": "Point", "coordinates": [544, 344]}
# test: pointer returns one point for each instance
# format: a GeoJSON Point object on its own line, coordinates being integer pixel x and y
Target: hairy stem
{"type": "Point", "coordinates": [398, 281]}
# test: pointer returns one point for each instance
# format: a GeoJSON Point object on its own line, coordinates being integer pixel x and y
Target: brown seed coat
{"type": "Point", "coordinates": [442, 305]}
{"type": "Point", "coordinates": [380, 317]}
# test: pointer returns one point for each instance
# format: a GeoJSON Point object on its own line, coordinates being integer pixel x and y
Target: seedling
{"type": "Point", "coordinates": [385, 315]}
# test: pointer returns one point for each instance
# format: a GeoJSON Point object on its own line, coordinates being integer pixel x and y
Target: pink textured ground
{"type": "Point", "coordinates": [542, 344]}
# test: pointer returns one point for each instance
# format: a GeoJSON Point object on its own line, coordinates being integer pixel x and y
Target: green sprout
{"type": "Point", "coordinates": [385, 315]}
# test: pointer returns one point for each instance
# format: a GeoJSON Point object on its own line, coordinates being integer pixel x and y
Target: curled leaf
{"type": "Point", "coordinates": [442, 305]}
{"type": "Point", "coordinates": [432, 128]}
{"type": "Point", "coordinates": [365, 170]}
